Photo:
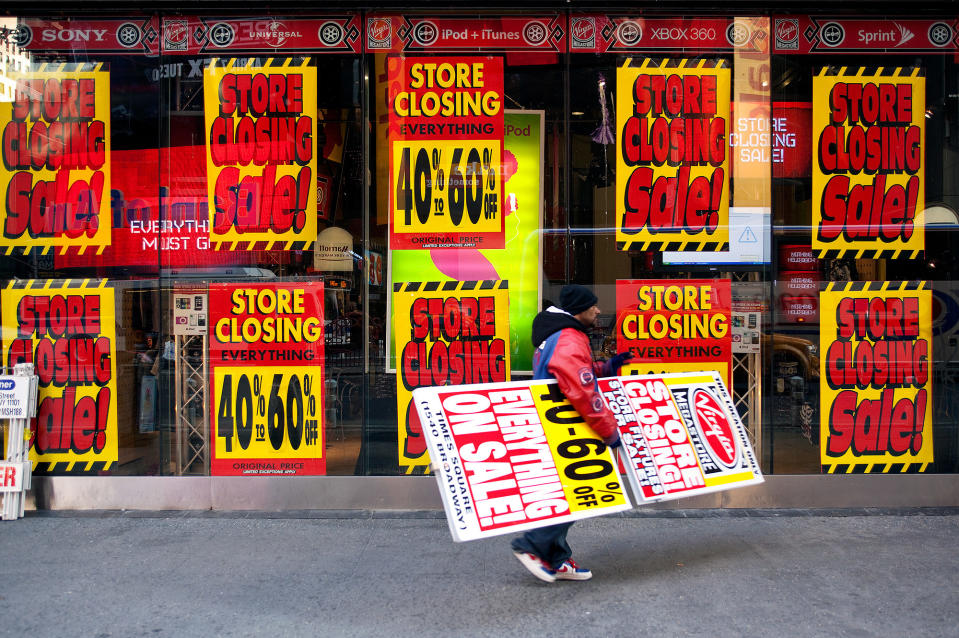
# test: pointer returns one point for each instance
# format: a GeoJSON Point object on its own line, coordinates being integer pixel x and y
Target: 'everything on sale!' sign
{"type": "Point", "coordinates": [876, 400]}
{"type": "Point", "coordinates": [447, 333]}
{"type": "Point", "coordinates": [68, 331]}
{"type": "Point", "coordinates": [261, 154]}
{"type": "Point", "coordinates": [672, 168]}
{"type": "Point", "coordinates": [675, 325]}
{"type": "Point", "coordinates": [868, 191]}
{"type": "Point", "coordinates": [55, 174]}
{"type": "Point", "coordinates": [446, 152]}
{"type": "Point", "coordinates": [681, 435]}
{"type": "Point", "coordinates": [515, 456]}
{"type": "Point", "coordinates": [266, 379]}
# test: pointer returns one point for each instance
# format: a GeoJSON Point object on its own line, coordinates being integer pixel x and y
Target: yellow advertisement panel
{"type": "Point", "coordinates": [55, 173]}
{"type": "Point", "coordinates": [68, 331]}
{"type": "Point", "coordinates": [876, 396]}
{"type": "Point", "coordinates": [446, 152]}
{"type": "Point", "coordinates": [261, 154]}
{"type": "Point", "coordinates": [447, 333]}
{"type": "Point", "coordinates": [672, 325]}
{"type": "Point", "coordinates": [869, 134]}
{"type": "Point", "coordinates": [267, 379]}
{"type": "Point", "coordinates": [672, 168]}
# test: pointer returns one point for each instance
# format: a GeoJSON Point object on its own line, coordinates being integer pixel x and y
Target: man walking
{"type": "Point", "coordinates": [561, 339]}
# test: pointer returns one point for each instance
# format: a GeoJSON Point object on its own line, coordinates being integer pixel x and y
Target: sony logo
{"type": "Point", "coordinates": [72, 35]}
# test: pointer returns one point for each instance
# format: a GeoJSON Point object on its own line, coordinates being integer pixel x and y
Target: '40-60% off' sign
{"type": "Point", "coordinates": [278, 410]}
{"type": "Point", "coordinates": [446, 185]}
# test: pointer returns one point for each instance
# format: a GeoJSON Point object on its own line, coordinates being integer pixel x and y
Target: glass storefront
{"type": "Point", "coordinates": [234, 244]}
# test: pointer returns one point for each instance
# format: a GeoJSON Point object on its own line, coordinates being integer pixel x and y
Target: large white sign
{"type": "Point", "coordinates": [515, 456]}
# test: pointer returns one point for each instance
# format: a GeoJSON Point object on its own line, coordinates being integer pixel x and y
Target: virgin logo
{"type": "Point", "coordinates": [582, 29]}
{"type": "Point", "coordinates": [378, 29]}
{"type": "Point", "coordinates": [716, 429]}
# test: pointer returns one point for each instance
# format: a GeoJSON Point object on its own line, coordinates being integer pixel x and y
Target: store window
{"type": "Point", "coordinates": [864, 122]}
{"type": "Point", "coordinates": [235, 245]}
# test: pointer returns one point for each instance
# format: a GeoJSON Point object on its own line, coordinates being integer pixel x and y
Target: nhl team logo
{"type": "Point", "coordinates": [19, 36]}
{"type": "Point", "coordinates": [379, 33]}
{"type": "Point", "coordinates": [535, 33]}
{"type": "Point", "coordinates": [128, 35]}
{"type": "Point", "coordinates": [331, 33]}
{"type": "Point", "coordinates": [175, 35]}
{"type": "Point", "coordinates": [629, 33]}
{"type": "Point", "coordinates": [221, 35]}
{"type": "Point", "coordinates": [832, 34]}
{"type": "Point", "coordinates": [583, 33]}
{"type": "Point", "coordinates": [787, 34]}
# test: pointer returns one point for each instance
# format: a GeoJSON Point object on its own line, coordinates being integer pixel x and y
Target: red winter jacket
{"type": "Point", "coordinates": [563, 353]}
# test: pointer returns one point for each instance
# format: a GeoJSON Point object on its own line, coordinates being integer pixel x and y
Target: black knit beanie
{"type": "Point", "coordinates": [574, 299]}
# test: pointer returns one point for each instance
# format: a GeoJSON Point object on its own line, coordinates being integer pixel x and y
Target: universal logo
{"type": "Point", "coordinates": [274, 35]}
{"type": "Point", "coordinates": [175, 35]}
{"type": "Point", "coordinates": [379, 33]}
{"type": "Point", "coordinates": [583, 32]}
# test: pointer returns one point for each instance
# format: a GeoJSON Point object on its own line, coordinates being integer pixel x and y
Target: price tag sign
{"type": "Point", "coordinates": [446, 152]}
{"type": "Point", "coordinates": [514, 456]}
{"type": "Point", "coordinates": [267, 377]}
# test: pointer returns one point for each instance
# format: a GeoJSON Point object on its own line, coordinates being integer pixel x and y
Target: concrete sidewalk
{"type": "Point", "coordinates": [396, 575]}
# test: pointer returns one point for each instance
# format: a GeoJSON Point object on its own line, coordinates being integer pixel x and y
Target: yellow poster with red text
{"type": "Point", "coordinates": [55, 173]}
{"type": "Point", "coordinates": [261, 153]}
{"type": "Point", "coordinates": [446, 152]}
{"type": "Point", "coordinates": [447, 333]}
{"type": "Point", "coordinates": [675, 325]}
{"type": "Point", "coordinates": [868, 167]}
{"type": "Point", "coordinates": [68, 331]}
{"type": "Point", "coordinates": [876, 371]}
{"type": "Point", "coordinates": [672, 168]}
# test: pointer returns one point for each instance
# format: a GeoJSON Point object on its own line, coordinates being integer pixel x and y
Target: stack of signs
{"type": "Point", "coordinates": [514, 456]}
{"type": "Point", "coordinates": [681, 435]}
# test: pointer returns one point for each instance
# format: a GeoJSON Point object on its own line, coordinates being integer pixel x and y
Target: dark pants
{"type": "Point", "coordinates": [548, 543]}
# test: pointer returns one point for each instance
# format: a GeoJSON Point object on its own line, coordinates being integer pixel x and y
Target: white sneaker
{"type": "Point", "coordinates": [536, 566]}
{"type": "Point", "coordinates": [569, 570]}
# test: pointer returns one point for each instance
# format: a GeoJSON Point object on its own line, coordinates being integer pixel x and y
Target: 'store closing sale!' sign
{"type": "Point", "coordinates": [672, 168]}
{"type": "Point", "coordinates": [447, 333]}
{"type": "Point", "coordinates": [261, 154]}
{"type": "Point", "coordinates": [68, 331]}
{"type": "Point", "coordinates": [868, 189]}
{"type": "Point", "coordinates": [876, 402]}
{"type": "Point", "coordinates": [446, 152]}
{"type": "Point", "coordinates": [266, 379]}
{"type": "Point", "coordinates": [55, 174]}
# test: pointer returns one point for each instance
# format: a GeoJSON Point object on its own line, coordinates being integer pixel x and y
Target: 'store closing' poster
{"type": "Point", "coordinates": [515, 456]}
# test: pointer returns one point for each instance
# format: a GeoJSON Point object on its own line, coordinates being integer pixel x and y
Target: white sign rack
{"type": "Point", "coordinates": [18, 404]}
